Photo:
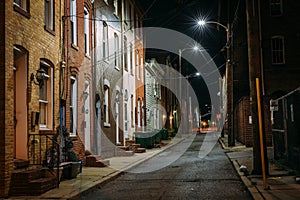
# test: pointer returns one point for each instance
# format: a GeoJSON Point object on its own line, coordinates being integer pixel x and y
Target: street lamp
{"type": "Point", "coordinates": [229, 81]}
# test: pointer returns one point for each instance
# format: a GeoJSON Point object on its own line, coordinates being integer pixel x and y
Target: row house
{"type": "Point", "coordinates": [155, 112]}
{"type": "Point", "coordinates": [78, 81]}
{"type": "Point", "coordinates": [70, 73]}
{"type": "Point", "coordinates": [119, 55]}
{"type": "Point", "coordinates": [31, 62]}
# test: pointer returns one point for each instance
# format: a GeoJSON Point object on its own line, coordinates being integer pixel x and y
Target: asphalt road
{"type": "Point", "coordinates": [191, 176]}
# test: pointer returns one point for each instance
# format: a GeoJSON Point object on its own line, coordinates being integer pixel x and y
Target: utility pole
{"type": "Point", "coordinates": [254, 48]}
{"type": "Point", "coordinates": [229, 82]}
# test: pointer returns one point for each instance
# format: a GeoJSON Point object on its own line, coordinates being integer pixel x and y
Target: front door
{"type": "Point", "coordinates": [87, 130]}
{"type": "Point", "coordinates": [20, 103]}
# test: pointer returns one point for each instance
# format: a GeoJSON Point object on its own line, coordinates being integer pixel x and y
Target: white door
{"type": "Point", "coordinates": [117, 124]}
{"type": "Point", "coordinates": [87, 130]}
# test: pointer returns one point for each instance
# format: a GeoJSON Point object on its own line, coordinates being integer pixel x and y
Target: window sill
{"type": "Point", "coordinates": [87, 56]}
{"type": "Point", "coordinates": [116, 16]}
{"type": "Point", "coordinates": [44, 130]}
{"type": "Point", "coordinates": [52, 32]}
{"type": "Point", "coordinates": [117, 68]}
{"type": "Point", "coordinates": [107, 125]}
{"type": "Point", "coordinates": [74, 46]}
{"type": "Point", "coordinates": [22, 12]}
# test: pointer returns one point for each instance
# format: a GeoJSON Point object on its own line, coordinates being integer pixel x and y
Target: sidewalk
{"type": "Point", "coordinates": [92, 177]}
{"type": "Point", "coordinates": [280, 183]}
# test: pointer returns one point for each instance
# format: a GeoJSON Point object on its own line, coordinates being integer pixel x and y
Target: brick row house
{"type": "Point", "coordinates": [68, 65]}
{"type": "Point", "coordinates": [31, 60]}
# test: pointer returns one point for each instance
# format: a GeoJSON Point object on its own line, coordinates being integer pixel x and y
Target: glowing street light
{"type": "Point", "coordinates": [202, 23]}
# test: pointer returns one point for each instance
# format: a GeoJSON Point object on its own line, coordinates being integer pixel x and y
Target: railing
{"type": "Point", "coordinates": [44, 150]}
{"type": "Point", "coordinates": [285, 114]}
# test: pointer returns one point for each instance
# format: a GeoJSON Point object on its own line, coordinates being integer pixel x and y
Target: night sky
{"type": "Point", "coordinates": [182, 16]}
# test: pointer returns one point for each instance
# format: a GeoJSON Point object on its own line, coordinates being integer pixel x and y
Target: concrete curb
{"type": "Point", "coordinates": [117, 173]}
{"type": "Point", "coordinates": [255, 193]}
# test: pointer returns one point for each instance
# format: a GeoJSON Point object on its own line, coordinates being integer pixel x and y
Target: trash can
{"type": "Point", "coordinates": [145, 139]}
{"type": "Point", "coordinates": [164, 134]}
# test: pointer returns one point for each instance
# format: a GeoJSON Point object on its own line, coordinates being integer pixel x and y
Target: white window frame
{"type": "Point", "coordinates": [105, 41]}
{"type": "Point", "coordinates": [131, 59]}
{"type": "Point", "coordinates": [47, 102]}
{"type": "Point", "coordinates": [277, 50]}
{"type": "Point", "coordinates": [137, 60]}
{"type": "Point", "coordinates": [49, 14]}
{"type": "Point", "coordinates": [125, 60]}
{"type": "Point", "coordinates": [73, 19]}
{"type": "Point", "coordinates": [116, 7]}
{"type": "Point", "coordinates": [274, 5]}
{"type": "Point", "coordinates": [73, 104]}
{"type": "Point", "coordinates": [86, 31]}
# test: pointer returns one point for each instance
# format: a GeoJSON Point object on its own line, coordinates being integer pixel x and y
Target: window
{"type": "Point", "coordinates": [137, 66]}
{"type": "Point", "coordinates": [131, 58]}
{"type": "Point", "coordinates": [73, 19]}
{"type": "Point", "coordinates": [277, 46]}
{"type": "Point", "coordinates": [125, 10]}
{"type": "Point", "coordinates": [141, 69]}
{"type": "Point", "coordinates": [125, 53]}
{"type": "Point", "coordinates": [105, 41]}
{"type": "Point", "coordinates": [276, 7]}
{"type": "Point", "coordinates": [46, 96]}
{"type": "Point", "coordinates": [106, 106]}
{"type": "Point", "coordinates": [86, 31]}
{"type": "Point", "coordinates": [129, 17]}
{"type": "Point", "coordinates": [73, 106]}
{"type": "Point", "coordinates": [136, 25]}
{"type": "Point", "coordinates": [116, 12]}
{"type": "Point", "coordinates": [22, 6]}
{"type": "Point", "coordinates": [49, 15]}
{"type": "Point", "coordinates": [139, 113]}
{"type": "Point", "coordinates": [116, 51]}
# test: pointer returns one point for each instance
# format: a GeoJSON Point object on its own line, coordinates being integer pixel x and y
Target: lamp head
{"type": "Point", "coordinates": [201, 22]}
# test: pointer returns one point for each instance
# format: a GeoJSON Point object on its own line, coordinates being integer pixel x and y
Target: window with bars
{"type": "Point", "coordinates": [276, 7]}
{"type": "Point", "coordinates": [49, 15]}
{"type": "Point", "coordinates": [277, 47]}
{"type": "Point", "coordinates": [73, 19]}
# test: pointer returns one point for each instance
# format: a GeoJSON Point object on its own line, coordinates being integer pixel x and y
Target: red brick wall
{"type": "Point", "coordinates": [242, 128]}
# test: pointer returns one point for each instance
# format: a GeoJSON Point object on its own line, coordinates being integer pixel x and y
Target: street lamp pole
{"type": "Point", "coordinates": [229, 81]}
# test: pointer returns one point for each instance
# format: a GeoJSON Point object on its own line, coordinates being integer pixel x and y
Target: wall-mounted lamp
{"type": "Point", "coordinates": [39, 76]}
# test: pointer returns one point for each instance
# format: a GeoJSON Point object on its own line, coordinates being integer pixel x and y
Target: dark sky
{"type": "Point", "coordinates": [182, 16]}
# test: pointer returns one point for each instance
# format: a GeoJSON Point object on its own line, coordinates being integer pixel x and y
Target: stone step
{"type": "Point", "coordinates": [124, 153]}
{"type": "Point", "coordinates": [32, 182]}
{"type": "Point", "coordinates": [96, 161]}
{"type": "Point", "coordinates": [140, 150]}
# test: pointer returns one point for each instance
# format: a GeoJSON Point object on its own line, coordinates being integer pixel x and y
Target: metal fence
{"type": "Point", "coordinates": [285, 115]}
